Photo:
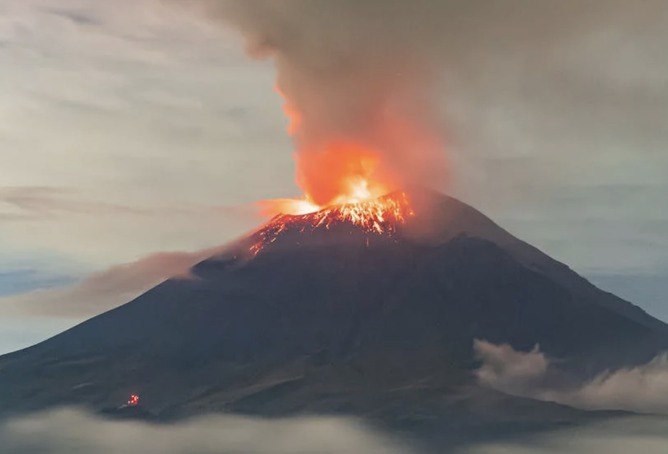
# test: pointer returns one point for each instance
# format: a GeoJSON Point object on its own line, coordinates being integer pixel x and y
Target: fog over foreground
{"type": "Point", "coordinates": [73, 431]}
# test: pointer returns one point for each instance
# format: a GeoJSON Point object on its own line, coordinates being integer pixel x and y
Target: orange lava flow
{"type": "Point", "coordinates": [343, 182]}
{"type": "Point", "coordinates": [381, 217]}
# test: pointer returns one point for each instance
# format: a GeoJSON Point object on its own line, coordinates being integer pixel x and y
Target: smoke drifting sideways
{"type": "Point", "coordinates": [358, 81]}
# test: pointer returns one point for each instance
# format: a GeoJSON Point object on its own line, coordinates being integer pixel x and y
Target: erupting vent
{"type": "Point", "coordinates": [379, 216]}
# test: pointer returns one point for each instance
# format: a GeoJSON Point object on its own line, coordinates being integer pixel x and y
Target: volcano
{"type": "Point", "coordinates": [332, 313]}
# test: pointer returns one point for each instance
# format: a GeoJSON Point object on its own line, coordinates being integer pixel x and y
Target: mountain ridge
{"type": "Point", "coordinates": [341, 321]}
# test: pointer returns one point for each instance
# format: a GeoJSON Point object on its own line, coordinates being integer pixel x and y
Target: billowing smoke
{"type": "Point", "coordinates": [367, 82]}
{"type": "Point", "coordinates": [357, 78]}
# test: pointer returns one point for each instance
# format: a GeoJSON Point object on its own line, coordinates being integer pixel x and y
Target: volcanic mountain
{"type": "Point", "coordinates": [330, 313]}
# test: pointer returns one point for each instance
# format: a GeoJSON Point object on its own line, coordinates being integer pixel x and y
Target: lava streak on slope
{"type": "Point", "coordinates": [379, 217]}
{"type": "Point", "coordinates": [345, 182]}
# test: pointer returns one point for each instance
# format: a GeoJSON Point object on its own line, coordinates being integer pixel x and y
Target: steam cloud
{"type": "Point", "coordinates": [642, 389]}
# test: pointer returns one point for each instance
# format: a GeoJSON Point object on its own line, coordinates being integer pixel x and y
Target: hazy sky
{"type": "Point", "coordinates": [134, 127]}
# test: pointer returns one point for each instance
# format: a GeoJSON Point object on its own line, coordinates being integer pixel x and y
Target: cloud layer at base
{"type": "Point", "coordinates": [74, 431]}
{"type": "Point", "coordinates": [621, 436]}
{"type": "Point", "coordinates": [71, 431]}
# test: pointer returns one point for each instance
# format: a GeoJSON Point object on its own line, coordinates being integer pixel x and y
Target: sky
{"type": "Point", "coordinates": [136, 136]}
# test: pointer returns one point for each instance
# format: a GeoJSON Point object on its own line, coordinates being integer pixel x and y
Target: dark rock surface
{"type": "Point", "coordinates": [340, 321]}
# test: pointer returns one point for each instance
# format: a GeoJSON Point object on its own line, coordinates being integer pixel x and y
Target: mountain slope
{"type": "Point", "coordinates": [336, 319]}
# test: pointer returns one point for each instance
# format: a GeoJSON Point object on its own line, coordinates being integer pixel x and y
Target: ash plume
{"type": "Point", "coordinates": [354, 74]}
{"type": "Point", "coordinates": [371, 71]}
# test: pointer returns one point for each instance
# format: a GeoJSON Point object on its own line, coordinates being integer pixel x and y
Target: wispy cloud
{"type": "Point", "coordinates": [642, 389]}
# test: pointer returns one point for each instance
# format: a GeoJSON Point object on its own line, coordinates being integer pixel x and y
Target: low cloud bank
{"type": "Point", "coordinates": [642, 389]}
{"type": "Point", "coordinates": [71, 431]}
{"type": "Point", "coordinates": [623, 436]}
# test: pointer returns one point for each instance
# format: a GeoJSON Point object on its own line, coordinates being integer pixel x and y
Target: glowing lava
{"type": "Point", "coordinates": [343, 182]}
{"type": "Point", "coordinates": [381, 216]}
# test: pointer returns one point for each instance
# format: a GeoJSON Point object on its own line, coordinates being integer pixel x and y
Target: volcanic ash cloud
{"type": "Point", "coordinates": [358, 79]}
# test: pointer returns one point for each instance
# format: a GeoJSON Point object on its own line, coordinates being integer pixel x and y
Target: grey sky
{"type": "Point", "coordinates": [134, 127]}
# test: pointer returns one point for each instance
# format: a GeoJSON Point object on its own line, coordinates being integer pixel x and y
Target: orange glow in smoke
{"type": "Point", "coordinates": [294, 117]}
{"type": "Point", "coordinates": [342, 180]}
{"type": "Point", "coordinates": [341, 172]}
{"type": "Point", "coordinates": [330, 172]}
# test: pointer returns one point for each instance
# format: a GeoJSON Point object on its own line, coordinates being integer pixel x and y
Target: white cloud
{"type": "Point", "coordinates": [71, 431]}
{"type": "Point", "coordinates": [620, 436]}
{"type": "Point", "coordinates": [642, 389]}
{"type": "Point", "coordinates": [508, 370]}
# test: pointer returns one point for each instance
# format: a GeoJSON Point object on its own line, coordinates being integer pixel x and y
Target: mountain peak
{"type": "Point", "coordinates": [417, 215]}
{"type": "Point", "coordinates": [334, 315]}
{"type": "Point", "coordinates": [381, 217]}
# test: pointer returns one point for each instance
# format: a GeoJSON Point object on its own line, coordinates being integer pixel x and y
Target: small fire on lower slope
{"type": "Point", "coordinates": [380, 217]}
